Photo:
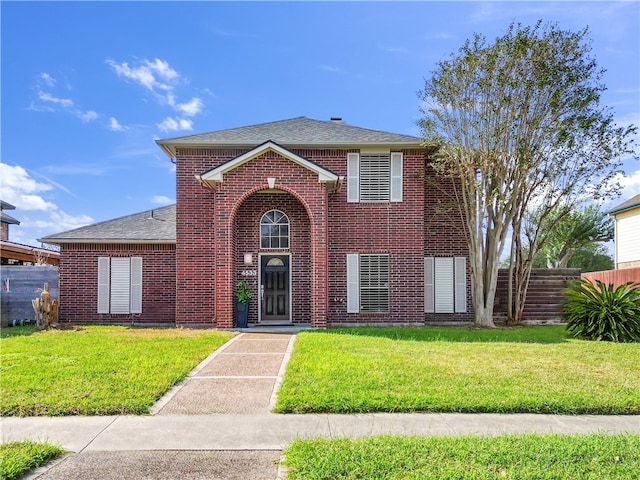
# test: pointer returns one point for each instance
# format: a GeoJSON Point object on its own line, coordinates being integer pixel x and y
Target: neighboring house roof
{"type": "Point", "coordinates": [4, 218]}
{"type": "Point", "coordinates": [294, 132]}
{"type": "Point", "coordinates": [633, 202]}
{"type": "Point", "coordinates": [216, 175]}
{"type": "Point", "coordinates": [27, 253]}
{"type": "Point", "coordinates": [151, 226]}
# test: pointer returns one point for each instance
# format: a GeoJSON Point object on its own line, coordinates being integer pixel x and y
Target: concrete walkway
{"type": "Point", "coordinates": [217, 424]}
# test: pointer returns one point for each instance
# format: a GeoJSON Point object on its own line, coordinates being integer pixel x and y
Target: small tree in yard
{"type": "Point", "coordinates": [519, 124]}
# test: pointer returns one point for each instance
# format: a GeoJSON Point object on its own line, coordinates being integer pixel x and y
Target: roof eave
{"type": "Point", "coordinates": [624, 208]}
{"type": "Point", "coordinates": [103, 241]}
{"type": "Point", "coordinates": [170, 149]}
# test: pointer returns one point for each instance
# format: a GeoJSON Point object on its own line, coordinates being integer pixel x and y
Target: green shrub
{"type": "Point", "coordinates": [601, 312]}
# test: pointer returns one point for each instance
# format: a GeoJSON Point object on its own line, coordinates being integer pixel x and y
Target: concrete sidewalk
{"type": "Point", "coordinates": [268, 431]}
{"type": "Point", "coordinates": [217, 424]}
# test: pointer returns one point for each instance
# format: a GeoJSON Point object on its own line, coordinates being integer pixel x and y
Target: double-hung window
{"type": "Point", "coordinates": [445, 284]}
{"type": "Point", "coordinates": [367, 283]}
{"type": "Point", "coordinates": [374, 177]}
{"type": "Point", "coordinates": [120, 285]}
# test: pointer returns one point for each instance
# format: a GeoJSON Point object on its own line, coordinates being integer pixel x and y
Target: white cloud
{"type": "Point", "coordinates": [159, 78]}
{"type": "Point", "coordinates": [48, 79]}
{"type": "Point", "coordinates": [630, 185]}
{"type": "Point", "coordinates": [47, 97]}
{"type": "Point", "coordinates": [161, 200]}
{"type": "Point", "coordinates": [190, 108]}
{"type": "Point", "coordinates": [59, 221]}
{"type": "Point", "coordinates": [330, 68]}
{"type": "Point", "coordinates": [150, 75]}
{"type": "Point", "coordinates": [174, 124]}
{"type": "Point", "coordinates": [115, 126]}
{"type": "Point", "coordinates": [42, 216]}
{"type": "Point", "coordinates": [88, 116]}
{"type": "Point", "coordinates": [20, 190]}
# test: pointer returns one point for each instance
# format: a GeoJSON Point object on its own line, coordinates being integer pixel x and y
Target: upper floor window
{"type": "Point", "coordinates": [374, 177]}
{"type": "Point", "coordinates": [274, 230]}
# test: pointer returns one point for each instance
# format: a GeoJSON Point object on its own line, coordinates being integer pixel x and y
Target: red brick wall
{"type": "Point", "coordinates": [216, 227]}
{"type": "Point", "coordinates": [444, 233]}
{"type": "Point", "coordinates": [247, 233]}
{"type": "Point", "coordinates": [79, 285]}
{"type": "Point", "coordinates": [208, 249]}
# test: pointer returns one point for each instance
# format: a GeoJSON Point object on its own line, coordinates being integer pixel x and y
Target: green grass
{"type": "Point", "coordinates": [525, 370]}
{"type": "Point", "coordinates": [17, 458]}
{"type": "Point", "coordinates": [520, 457]}
{"type": "Point", "coordinates": [96, 370]}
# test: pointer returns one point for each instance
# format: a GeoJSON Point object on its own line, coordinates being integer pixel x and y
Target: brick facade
{"type": "Point", "coordinates": [216, 226]}
{"type": "Point", "coordinates": [79, 289]}
{"type": "Point", "coordinates": [222, 192]}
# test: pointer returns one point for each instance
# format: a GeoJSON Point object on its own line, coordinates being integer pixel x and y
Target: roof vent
{"type": "Point", "coordinates": [337, 119]}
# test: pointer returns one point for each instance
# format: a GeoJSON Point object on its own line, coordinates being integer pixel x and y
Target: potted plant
{"type": "Point", "coordinates": [242, 295]}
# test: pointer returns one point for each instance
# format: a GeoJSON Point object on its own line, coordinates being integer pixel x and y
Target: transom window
{"type": "Point", "coordinates": [274, 230]}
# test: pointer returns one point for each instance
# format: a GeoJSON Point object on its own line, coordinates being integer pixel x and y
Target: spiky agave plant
{"type": "Point", "coordinates": [602, 312]}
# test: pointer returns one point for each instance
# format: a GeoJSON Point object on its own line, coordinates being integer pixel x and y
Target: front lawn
{"type": "Point", "coordinates": [517, 457]}
{"type": "Point", "coordinates": [517, 370]}
{"type": "Point", "coordinates": [17, 458]}
{"type": "Point", "coordinates": [96, 370]}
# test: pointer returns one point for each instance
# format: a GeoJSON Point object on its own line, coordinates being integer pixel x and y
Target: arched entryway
{"type": "Point", "coordinates": [272, 248]}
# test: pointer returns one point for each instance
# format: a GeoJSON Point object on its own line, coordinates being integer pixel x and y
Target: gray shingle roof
{"type": "Point", "coordinates": [4, 218]}
{"type": "Point", "coordinates": [151, 226]}
{"type": "Point", "coordinates": [299, 131]}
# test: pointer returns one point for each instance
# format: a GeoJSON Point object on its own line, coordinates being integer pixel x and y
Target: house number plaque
{"type": "Point", "coordinates": [249, 273]}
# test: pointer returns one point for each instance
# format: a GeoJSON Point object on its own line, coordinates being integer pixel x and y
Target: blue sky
{"type": "Point", "coordinates": [88, 86]}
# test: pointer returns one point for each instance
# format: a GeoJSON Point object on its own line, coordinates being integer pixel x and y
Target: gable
{"type": "Point", "coordinates": [216, 176]}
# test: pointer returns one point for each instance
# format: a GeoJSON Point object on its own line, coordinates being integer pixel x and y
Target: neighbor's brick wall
{"type": "Point", "coordinates": [79, 282]}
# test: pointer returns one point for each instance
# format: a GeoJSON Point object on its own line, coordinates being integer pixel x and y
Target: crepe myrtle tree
{"type": "Point", "coordinates": [518, 124]}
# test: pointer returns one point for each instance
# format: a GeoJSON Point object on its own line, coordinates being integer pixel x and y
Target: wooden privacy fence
{"type": "Point", "coordinates": [617, 277]}
{"type": "Point", "coordinates": [544, 296]}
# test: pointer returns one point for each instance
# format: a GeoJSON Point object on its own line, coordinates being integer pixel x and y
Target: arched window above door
{"type": "Point", "coordinates": [274, 230]}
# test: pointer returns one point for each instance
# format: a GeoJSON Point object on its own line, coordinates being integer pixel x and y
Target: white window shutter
{"type": "Point", "coordinates": [353, 284]}
{"type": "Point", "coordinates": [461, 284]}
{"type": "Point", "coordinates": [353, 177]}
{"type": "Point", "coordinates": [104, 267]}
{"type": "Point", "coordinates": [136, 285]}
{"type": "Point", "coordinates": [396, 176]}
{"type": "Point", "coordinates": [429, 298]}
{"type": "Point", "coordinates": [444, 284]}
{"type": "Point", "coordinates": [120, 285]}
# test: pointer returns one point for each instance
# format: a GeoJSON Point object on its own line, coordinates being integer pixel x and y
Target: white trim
{"type": "Point", "coordinates": [273, 254]}
{"type": "Point", "coordinates": [217, 174]}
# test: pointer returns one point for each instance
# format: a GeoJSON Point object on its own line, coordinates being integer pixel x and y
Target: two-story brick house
{"type": "Point", "coordinates": [329, 224]}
